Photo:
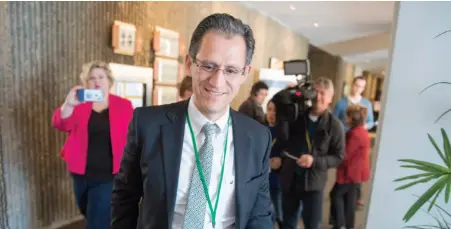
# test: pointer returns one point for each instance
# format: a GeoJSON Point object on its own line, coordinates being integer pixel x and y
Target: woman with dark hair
{"type": "Point", "coordinates": [354, 170]}
{"type": "Point", "coordinates": [275, 163]}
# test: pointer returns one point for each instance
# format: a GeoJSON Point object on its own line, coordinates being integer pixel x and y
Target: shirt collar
{"type": "Point", "coordinates": [198, 120]}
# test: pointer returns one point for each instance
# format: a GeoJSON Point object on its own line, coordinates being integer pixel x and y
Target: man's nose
{"type": "Point", "coordinates": [218, 78]}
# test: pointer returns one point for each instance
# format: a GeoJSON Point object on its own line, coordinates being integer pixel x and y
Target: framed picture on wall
{"type": "Point", "coordinates": [165, 95]}
{"type": "Point", "coordinates": [166, 71]}
{"type": "Point", "coordinates": [124, 38]}
{"type": "Point", "coordinates": [275, 63]}
{"type": "Point", "coordinates": [166, 43]}
{"type": "Point", "coordinates": [135, 92]}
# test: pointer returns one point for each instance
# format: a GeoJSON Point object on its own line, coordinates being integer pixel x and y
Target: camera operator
{"type": "Point", "coordinates": [316, 138]}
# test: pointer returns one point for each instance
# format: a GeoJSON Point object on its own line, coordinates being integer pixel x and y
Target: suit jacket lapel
{"type": "Point", "coordinates": [172, 143]}
{"type": "Point", "coordinates": [242, 146]}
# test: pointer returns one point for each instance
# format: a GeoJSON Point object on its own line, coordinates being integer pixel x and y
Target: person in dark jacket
{"type": "Point", "coordinates": [252, 107]}
{"type": "Point", "coordinates": [316, 140]}
{"type": "Point", "coordinates": [275, 163]}
{"type": "Point", "coordinates": [354, 170]}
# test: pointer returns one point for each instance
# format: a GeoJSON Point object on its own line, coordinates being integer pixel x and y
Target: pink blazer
{"type": "Point", "coordinates": [75, 149]}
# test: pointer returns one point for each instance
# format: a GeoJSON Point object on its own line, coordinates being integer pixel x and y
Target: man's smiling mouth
{"type": "Point", "coordinates": [213, 92]}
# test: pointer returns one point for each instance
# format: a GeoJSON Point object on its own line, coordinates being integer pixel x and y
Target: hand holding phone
{"type": "Point", "coordinates": [90, 95]}
{"type": "Point", "coordinates": [71, 98]}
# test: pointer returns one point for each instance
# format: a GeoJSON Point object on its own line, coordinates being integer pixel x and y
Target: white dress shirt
{"type": "Point", "coordinates": [225, 216]}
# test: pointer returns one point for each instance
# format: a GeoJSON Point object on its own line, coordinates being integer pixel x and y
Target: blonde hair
{"type": "Point", "coordinates": [325, 83]}
{"type": "Point", "coordinates": [88, 67]}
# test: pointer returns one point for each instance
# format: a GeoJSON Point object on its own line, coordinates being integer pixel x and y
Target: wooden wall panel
{"type": "Point", "coordinates": [42, 48]}
{"type": "Point", "coordinates": [323, 64]}
{"type": "Point", "coordinates": [5, 77]}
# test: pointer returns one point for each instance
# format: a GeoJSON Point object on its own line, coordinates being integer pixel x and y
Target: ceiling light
{"type": "Point", "coordinates": [292, 7]}
{"type": "Point", "coordinates": [315, 24]}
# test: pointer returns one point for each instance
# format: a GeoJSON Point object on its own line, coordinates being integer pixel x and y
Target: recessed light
{"type": "Point", "coordinates": [292, 7]}
{"type": "Point", "coordinates": [315, 24]}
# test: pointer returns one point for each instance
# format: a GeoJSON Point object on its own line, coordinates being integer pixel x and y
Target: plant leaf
{"type": "Point", "coordinates": [440, 209]}
{"type": "Point", "coordinates": [413, 176]}
{"type": "Point", "coordinates": [443, 210]}
{"type": "Point", "coordinates": [443, 224]}
{"type": "Point", "coordinates": [442, 33]}
{"type": "Point", "coordinates": [424, 198]}
{"type": "Point", "coordinates": [432, 204]}
{"type": "Point", "coordinates": [423, 227]}
{"type": "Point", "coordinates": [442, 82]}
{"type": "Point", "coordinates": [448, 189]}
{"type": "Point", "coordinates": [437, 168]}
{"type": "Point", "coordinates": [441, 116]}
{"type": "Point", "coordinates": [424, 180]}
{"type": "Point", "coordinates": [436, 148]}
{"type": "Point", "coordinates": [427, 169]}
{"type": "Point", "coordinates": [447, 148]}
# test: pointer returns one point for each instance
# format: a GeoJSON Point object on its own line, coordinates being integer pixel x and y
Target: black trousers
{"type": "Point", "coordinates": [359, 191]}
{"type": "Point", "coordinates": [312, 209]}
{"type": "Point", "coordinates": [343, 205]}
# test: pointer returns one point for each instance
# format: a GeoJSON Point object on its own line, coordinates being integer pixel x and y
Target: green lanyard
{"type": "Point", "coordinates": [201, 173]}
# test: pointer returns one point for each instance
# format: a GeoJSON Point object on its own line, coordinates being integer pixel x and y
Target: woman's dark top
{"type": "Point", "coordinates": [99, 165]}
{"type": "Point", "coordinates": [274, 180]}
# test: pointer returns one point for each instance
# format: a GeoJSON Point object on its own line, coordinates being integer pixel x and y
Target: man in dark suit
{"type": "Point", "coordinates": [197, 163]}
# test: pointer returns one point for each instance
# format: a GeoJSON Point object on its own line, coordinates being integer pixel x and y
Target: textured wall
{"type": "Point", "coordinates": [42, 46]}
{"type": "Point", "coordinates": [4, 76]}
{"type": "Point", "coordinates": [324, 64]}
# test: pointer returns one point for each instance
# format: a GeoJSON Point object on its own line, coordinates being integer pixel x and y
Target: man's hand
{"type": "Point", "coordinates": [275, 162]}
{"type": "Point", "coordinates": [305, 161]}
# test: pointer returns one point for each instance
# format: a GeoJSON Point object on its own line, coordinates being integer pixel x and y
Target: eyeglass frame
{"type": "Point", "coordinates": [202, 67]}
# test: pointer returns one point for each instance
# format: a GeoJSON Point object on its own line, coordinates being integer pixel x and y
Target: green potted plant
{"type": "Point", "coordinates": [428, 172]}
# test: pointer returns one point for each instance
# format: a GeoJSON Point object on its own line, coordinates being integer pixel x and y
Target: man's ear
{"type": "Point", "coordinates": [247, 71]}
{"type": "Point", "coordinates": [188, 64]}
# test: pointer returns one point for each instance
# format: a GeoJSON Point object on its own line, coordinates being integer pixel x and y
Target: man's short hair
{"type": "Point", "coordinates": [358, 78]}
{"type": "Point", "coordinates": [229, 26]}
{"type": "Point", "coordinates": [260, 85]}
{"type": "Point", "coordinates": [185, 85]}
{"type": "Point", "coordinates": [325, 83]}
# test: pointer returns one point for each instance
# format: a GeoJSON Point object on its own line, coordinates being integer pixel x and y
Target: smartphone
{"type": "Point", "coordinates": [90, 95]}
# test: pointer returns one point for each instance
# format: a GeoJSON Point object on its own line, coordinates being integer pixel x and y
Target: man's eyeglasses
{"type": "Point", "coordinates": [213, 68]}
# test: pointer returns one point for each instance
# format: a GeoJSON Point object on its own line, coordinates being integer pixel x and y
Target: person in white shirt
{"type": "Point", "coordinates": [198, 163]}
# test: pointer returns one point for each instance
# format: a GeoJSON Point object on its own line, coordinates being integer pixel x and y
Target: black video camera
{"type": "Point", "coordinates": [294, 100]}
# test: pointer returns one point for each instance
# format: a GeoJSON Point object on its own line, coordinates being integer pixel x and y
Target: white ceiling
{"type": "Point", "coordinates": [336, 22]}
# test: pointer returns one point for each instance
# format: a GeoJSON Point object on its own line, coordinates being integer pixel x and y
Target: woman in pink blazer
{"type": "Point", "coordinates": [94, 147]}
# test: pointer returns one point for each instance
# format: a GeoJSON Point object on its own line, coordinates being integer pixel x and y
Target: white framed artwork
{"type": "Point", "coordinates": [166, 71]}
{"type": "Point", "coordinates": [134, 83]}
{"type": "Point", "coordinates": [165, 95]}
{"type": "Point", "coordinates": [124, 38]}
{"type": "Point", "coordinates": [166, 43]}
